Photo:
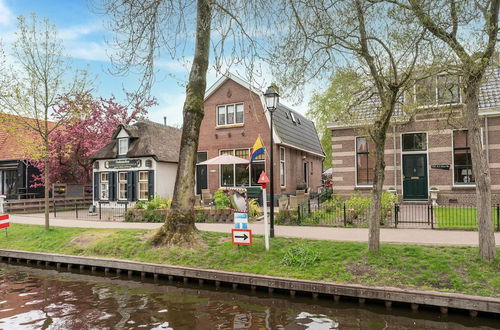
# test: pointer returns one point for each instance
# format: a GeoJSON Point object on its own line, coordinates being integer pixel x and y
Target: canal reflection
{"type": "Point", "coordinates": [33, 298]}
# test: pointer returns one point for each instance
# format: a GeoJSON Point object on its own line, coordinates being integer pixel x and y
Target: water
{"type": "Point", "coordinates": [33, 298]}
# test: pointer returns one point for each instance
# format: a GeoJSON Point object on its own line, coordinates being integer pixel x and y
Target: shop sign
{"type": "Point", "coordinates": [122, 163]}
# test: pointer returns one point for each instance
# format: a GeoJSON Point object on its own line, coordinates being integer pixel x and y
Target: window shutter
{"type": "Point", "coordinates": [112, 185]}
{"type": "Point", "coordinates": [131, 188]}
{"type": "Point", "coordinates": [151, 185]}
{"type": "Point", "coordinates": [96, 186]}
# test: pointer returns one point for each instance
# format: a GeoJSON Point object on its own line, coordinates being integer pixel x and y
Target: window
{"type": "Point", "coordinates": [282, 167]}
{"type": "Point", "coordinates": [122, 146]}
{"type": "Point", "coordinates": [143, 185]}
{"type": "Point", "coordinates": [462, 158]}
{"type": "Point", "coordinates": [122, 181]}
{"type": "Point", "coordinates": [438, 90]}
{"type": "Point", "coordinates": [104, 185]}
{"type": "Point", "coordinates": [414, 142]}
{"type": "Point", "coordinates": [241, 174]}
{"type": "Point", "coordinates": [365, 162]}
{"type": "Point", "coordinates": [230, 114]}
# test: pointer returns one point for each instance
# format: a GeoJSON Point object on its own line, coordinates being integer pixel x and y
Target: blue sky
{"type": "Point", "coordinates": [83, 34]}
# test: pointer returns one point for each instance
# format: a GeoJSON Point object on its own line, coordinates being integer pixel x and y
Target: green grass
{"type": "Point", "coordinates": [451, 217]}
{"type": "Point", "coordinates": [442, 268]}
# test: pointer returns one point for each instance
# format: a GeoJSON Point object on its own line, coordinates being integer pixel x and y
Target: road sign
{"type": "Point", "coordinates": [240, 220]}
{"type": "Point", "coordinates": [242, 236]}
{"type": "Point", "coordinates": [4, 221]}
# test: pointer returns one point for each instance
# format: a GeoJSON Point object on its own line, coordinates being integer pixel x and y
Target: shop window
{"type": "Point", "coordinates": [104, 186]}
{"type": "Point", "coordinates": [143, 185]}
{"type": "Point", "coordinates": [241, 174]}
{"type": "Point", "coordinates": [282, 167]}
{"type": "Point", "coordinates": [414, 142]}
{"type": "Point", "coordinates": [122, 146]}
{"type": "Point", "coordinates": [122, 184]}
{"type": "Point", "coordinates": [462, 160]}
{"type": "Point", "coordinates": [365, 161]}
{"type": "Point", "coordinates": [230, 114]}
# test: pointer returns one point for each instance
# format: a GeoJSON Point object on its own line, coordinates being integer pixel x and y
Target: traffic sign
{"type": "Point", "coordinates": [4, 221]}
{"type": "Point", "coordinates": [242, 236]}
{"type": "Point", "coordinates": [240, 220]}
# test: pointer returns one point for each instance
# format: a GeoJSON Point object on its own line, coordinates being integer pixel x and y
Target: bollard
{"type": "Point", "coordinates": [2, 201]}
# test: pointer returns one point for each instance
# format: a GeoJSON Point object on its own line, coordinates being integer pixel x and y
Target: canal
{"type": "Point", "coordinates": [36, 298]}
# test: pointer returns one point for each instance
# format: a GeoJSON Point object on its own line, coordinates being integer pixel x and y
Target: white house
{"type": "Point", "coordinates": [138, 163]}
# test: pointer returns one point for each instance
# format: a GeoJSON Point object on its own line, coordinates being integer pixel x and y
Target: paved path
{"type": "Point", "coordinates": [413, 236]}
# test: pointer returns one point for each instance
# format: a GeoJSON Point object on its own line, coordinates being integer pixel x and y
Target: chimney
{"type": "Point", "coordinates": [165, 120]}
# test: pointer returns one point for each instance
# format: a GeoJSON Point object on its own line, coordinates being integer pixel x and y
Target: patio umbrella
{"type": "Point", "coordinates": [224, 160]}
{"type": "Point", "coordinates": [328, 171]}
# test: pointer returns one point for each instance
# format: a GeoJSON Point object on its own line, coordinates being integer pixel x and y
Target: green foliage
{"type": "Point", "coordinates": [358, 207]}
{"type": "Point", "coordinates": [300, 256]}
{"type": "Point", "coordinates": [254, 209]}
{"type": "Point", "coordinates": [222, 200]}
{"type": "Point", "coordinates": [157, 203]}
{"type": "Point", "coordinates": [200, 216]}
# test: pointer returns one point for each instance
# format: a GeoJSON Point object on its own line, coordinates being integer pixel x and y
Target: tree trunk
{"type": "Point", "coordinates": [179, 227]}
{"type": "Point", "coordinates": [376, 203]}
{"type": "Point", "coordinates": [46, 184]}
{"type": "Point", "coordinates": [481, 170]}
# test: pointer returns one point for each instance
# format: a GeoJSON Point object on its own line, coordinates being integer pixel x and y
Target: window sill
{"type": "Point", "coordinates": [463, 187]}
{"type": "Point", "coordinates": [367, 187]}
{"type": "Point", "coordinates": [229, 126]}
{"type": "Point", "coordinates": [434, 106]}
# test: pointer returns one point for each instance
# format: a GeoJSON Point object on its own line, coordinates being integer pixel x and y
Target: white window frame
{"type": "Point", "coordinates": [283, 162]}
{"type": "Point", "coordinates": [139, 185]}
{"type": "Point", "coordinates": [359, 185]}
{"type": "Point", "coordinates": [103, 183]}
{"type": "Point", "coordinates": [122, 146]}
{"type": "Point", "coordinates": [120, 181]}
{"type": "Point", "coordinates": [436, 95]}
{"type": "Point", "coordinates": [473, 184]}
{"type": "Point", "coordinates": [234, 168]}
{"type": "Point", "coordinates": [225, 107]}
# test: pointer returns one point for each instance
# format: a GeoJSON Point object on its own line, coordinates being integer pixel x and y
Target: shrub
{"type": "Point", "coordinates": [358, 207]}
{"type": "Point", "coordinates": [254, 209]}
{"type": "Point", "coordinates": [221, 200]}
{"type": "Point", "coordinates": [153, 216]}
{"type": "Point", "coordinates": [157, 203]}
{"type": "Point", "coordinates": [300, 256]}
{"type": "Point", "coordinates": [200, 216]}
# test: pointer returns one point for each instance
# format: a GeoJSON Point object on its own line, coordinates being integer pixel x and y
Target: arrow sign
{"type": "Point", "coordinates": [242, 236]}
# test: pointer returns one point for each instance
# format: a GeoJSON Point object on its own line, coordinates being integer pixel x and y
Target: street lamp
{"type": "Point", "coordinates": [272, 99]}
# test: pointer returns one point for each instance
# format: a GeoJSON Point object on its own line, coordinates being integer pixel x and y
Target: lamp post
{"type": "Point", "coordinates": [272, 99]}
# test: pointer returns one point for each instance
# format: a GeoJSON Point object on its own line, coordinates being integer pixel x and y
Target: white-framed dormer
{"type": "Point", "coordinates": [122, 142]}
{"type": "Point", "coordinates": [443, 91]}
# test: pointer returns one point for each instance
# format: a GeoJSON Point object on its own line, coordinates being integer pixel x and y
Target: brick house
{"type": "Point", "coordinates": [430, 150]}
{"type": "Point", "coordinates": [234, 118]}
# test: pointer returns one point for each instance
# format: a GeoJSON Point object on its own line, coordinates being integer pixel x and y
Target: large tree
{"type": "Point", "coordinates": [147, 29]}
{"type": "Point", "coordinates": [469, 29]}
{"type": "Point", "coordinates": [37, 83]}
{"type": "Point", "coordinates": [315, 37]}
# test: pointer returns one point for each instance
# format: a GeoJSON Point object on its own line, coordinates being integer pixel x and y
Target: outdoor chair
{"type": "Point", "coordinates": [206, 197]}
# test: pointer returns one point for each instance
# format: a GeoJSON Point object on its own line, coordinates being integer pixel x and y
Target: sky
{"type": "Point", "coordinates": [84, 36]}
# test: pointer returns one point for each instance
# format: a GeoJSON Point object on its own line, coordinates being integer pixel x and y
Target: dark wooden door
{"type": "Point", "coordinates": [415, 177]}
{"type": "Point", "coordinates": [201, 173]}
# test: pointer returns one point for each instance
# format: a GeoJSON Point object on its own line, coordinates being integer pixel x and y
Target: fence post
{"type": "Point", "coordinates": [396, 211]}
{"type": "Point", "coordinates": [309, 205]}
{"type": "Point", "coordinates": [498, 217]}
{"type": "Point", "coordinates": [99, 211]}
{"type": "Point", "coordinates": [2, 201]}
{"type": "Point", "coordinates": [126, 205]}
{"type": "Point", "coordinates": [345, 217]}
{"type": "Point", "coordinates": [319, 201]}
{"type": "Point", "coordinates": [54, 205]}
{"type": "Point", "coordinates": [76, 209]}
{"type": "Point", "coordinates": [432, 216]}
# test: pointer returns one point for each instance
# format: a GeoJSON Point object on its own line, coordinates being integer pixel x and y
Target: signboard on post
{"type": "Point", "coordinates": [242, 236]}
{"type": "Point", "coordinates": [264, 180]}
{"type": "Point", "coordinates": [240, 220]}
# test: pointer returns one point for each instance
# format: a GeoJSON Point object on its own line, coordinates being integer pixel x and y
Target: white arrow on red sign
{"type": "Point", "coordinates": [242, 236]}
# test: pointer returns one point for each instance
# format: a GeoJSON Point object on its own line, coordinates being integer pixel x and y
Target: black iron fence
{"type": "Point", "coordinates": [100, 211]}
{"type": "Point", "coordinates": [407, 215]}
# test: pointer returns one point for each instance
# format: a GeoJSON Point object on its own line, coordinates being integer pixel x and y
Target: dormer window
{"type": "Point", "coordinates": [122, 146]}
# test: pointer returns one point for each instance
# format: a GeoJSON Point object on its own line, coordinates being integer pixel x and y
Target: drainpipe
{"type": "Point", "coordinates": [394, 157]}
{"type": "Point", "coordinates": [486, 141]}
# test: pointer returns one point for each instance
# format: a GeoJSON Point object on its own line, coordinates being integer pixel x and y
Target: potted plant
{"type": "Point", "coordinates": [434, 195]}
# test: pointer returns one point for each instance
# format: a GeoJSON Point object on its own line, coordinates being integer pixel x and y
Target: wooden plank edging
{"type": "Point", "coordinates": [432, 298]}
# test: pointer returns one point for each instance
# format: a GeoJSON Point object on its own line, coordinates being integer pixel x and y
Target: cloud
{"type": "Point", "coordinates": [171, 107]}
{"type": "Point", "coordinates": [90, 51]}
{"type": "Point", "coordinates": [78, 31]}
{"type": "Point", "coordinates": [6, 16]}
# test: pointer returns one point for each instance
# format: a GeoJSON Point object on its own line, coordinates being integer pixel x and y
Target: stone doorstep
{"type": "Point", "coordinates": [445, 300]}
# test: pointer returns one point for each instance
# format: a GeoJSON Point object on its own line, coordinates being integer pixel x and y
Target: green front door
{"type": "Point", "coordinates": [415, 177]}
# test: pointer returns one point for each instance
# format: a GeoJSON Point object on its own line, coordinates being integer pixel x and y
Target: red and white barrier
{"type": "Point", "coordinates": [4, 221]}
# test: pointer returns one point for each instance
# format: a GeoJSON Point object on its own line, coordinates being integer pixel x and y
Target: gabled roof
{"type": "Point", "coordinates": [489, 91]}
{"type": "Point", "coordinates": [300, 135]}
{"type": "Point", "coordinates": [148, 139]}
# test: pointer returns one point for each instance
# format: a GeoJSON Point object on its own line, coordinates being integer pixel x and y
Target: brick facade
{"type": "Point", "coordinates": [439, 151]}
{"type": "Point", "coordinates": [214, 138]}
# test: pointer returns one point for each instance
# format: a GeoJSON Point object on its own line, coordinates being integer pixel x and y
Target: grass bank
{"type": "Point", "coordinates": [442, 268]}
